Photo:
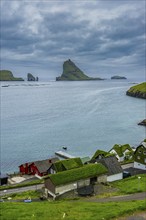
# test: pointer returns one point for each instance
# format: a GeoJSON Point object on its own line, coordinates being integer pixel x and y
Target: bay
{"type": "Point", "coordinates": [38, 118]}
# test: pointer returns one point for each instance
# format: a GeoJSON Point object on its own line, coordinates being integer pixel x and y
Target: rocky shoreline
{"type": "Point", "coordinates": [138, 91]}
{"type": "Point", "coordinates": [142, 122]}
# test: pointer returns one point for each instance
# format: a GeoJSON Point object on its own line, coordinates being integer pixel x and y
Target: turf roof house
{"type": "Point", "coordinates": [122, 151]}
{"type": "Point", "coordinates": [108, 160]}
{"type": "Point", "coordinates": [67, 164]}
{"type": "Point", "coordinates": [62, 182]}
{"type": "Point", "coordinates": [140, 156]}
{"type": "Point", "coordinates": [41, 167]}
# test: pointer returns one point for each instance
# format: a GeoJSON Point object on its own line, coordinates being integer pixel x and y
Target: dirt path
{"type": "Point", "coordinates": [136, 196]}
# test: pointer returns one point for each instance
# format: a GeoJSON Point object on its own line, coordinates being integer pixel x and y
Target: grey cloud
{"type": "Point", "coordinates": [58, 32]}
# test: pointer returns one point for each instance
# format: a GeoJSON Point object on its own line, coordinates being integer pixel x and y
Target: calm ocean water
{"type": "Point", "coordinates": [39, 118]}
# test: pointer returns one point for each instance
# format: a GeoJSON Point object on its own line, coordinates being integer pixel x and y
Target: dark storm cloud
{"type": "Point", "coordinates": [49, 32]}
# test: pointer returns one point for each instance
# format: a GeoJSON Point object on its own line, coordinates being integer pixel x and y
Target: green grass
{"type": "Point", "coordinates": [24, 195]}
{"type": "Point", "coordinates": [6, 75]}
{"type": "Point", "coordinates": [140, 88]}
{"type": "Point", "coordinates": [73, 210]}
{"type": "Point", "coordinates": [34, 182]}
{"type": "Point", "coordinates": [131, 184]}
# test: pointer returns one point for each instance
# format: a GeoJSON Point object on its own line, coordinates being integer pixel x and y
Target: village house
{"type": "Point", "coordinates": [62, 182]}
{"type": "Point", "coordinates": [115, 171]}
{"type": "Point", "coordinates": [41, 167]}
{"type": "Point", "coordinates": [100, 154]}
{"type": "Point", "coordinates": [67, 164]}
{"type": "Point", "coordinates": [140, 156]}
{"type": "Point", "coordinates": [122, 152]}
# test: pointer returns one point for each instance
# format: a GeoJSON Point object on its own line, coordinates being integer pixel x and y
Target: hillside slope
{"type": "Point", "coordinates": [6, 75]}
{"type": "Point", "coordinates": [138, 91]}
{"type": "Point", "coordinates": [72, 73]}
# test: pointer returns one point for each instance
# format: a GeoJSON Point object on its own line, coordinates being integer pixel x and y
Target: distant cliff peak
{"type": "Point", "coordinates": [72, 73]}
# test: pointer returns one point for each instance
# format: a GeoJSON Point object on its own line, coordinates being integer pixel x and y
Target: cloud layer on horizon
{"type": "Point", "coordinates": [98, 36]}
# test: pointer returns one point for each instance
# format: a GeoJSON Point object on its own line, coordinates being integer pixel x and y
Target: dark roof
{"type": "Point", "coordinates": [86, 171]}
{"type": "Point", "coordinates": [112, 164]}
{"type": "Point", "coordinates": [44, 165]}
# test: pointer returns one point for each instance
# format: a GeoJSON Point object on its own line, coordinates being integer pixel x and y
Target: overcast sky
{"type": "Point", "coordinates": [103, 38]}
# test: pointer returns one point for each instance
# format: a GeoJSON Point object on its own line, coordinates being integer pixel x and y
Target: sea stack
{"type": "Point", "coordinates": [72, 73]}
{"type": "Point", "coordinates": [30, 77]}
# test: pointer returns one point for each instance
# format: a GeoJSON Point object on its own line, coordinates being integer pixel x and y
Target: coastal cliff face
{"type": "Point", "coordinates": [138, 91]}
{"type": "Point", "coordinates": [6, 75]}
{"type": "Point", "coordinates": [72, 73]}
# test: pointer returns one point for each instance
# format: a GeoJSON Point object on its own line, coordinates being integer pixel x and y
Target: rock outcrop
{"type": "Point", "coordinates": [6, 75]}
{"type": "Point", "coordinates": [30, 77]}
{"type": "Point", "coordinates": [118, 77]}
{"type": "Point", "coordinates": [142, 122]}
{"type": "Point", "coordinates": [138, 91]}
{"type": "Point", "coordinates": [72, 73]}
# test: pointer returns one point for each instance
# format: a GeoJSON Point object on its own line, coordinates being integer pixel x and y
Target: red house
{"type": "Point", "coordinates": [41, 167]}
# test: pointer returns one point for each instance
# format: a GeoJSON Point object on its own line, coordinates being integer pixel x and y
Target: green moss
{"type": "Point", "coordinates": [138, 90]}
{"type": "Point", "coordinates": [102, 153]}
{"type": "Point", "coordinates": [68, 164]}
{"type": "Point", "coordinates": [72, 175]}
{"type": "Point", "coordinates": [120, 149]}
{"type": "Point", "coordinates": [6, 75]}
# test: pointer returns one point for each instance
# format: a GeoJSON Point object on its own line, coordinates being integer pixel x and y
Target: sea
{"type": "Point", "coordinates": [40, 118]}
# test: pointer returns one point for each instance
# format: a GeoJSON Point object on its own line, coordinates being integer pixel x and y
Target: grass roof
{"type": "Point", "coordinates": [68, 164]}
{"type": "Point", "coordinates": [87, 171]}
{"type": "Point", "coordinates": [120, 149]}
{"type": "Point", "coordinates": [100, 152]}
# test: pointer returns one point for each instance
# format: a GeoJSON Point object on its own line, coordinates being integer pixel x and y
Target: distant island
{"type": "Point", "coordinates": [72, 73]}
{"type": "Point", "coordinates": [30, 77]}
{"type": "Point", "coordinates": [118, 77]}
{"type": "Point", "coordinates": [6, 75]}
{"type": "Point", "coordinates": [138, 91]}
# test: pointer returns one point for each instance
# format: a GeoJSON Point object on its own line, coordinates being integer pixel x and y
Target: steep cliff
{"type": "Point", "coordinates": [72, 73]}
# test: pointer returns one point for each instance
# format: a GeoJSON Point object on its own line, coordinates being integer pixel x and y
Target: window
{"type": "Point", "coordinates": [144, 152]}
{"type": "Point", "coordinates": [139, 151]}
{"type": "Point", "coordinates": [138, 157]}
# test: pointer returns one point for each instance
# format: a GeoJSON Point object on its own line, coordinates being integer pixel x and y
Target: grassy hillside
{"type": "Point", "coordinates": [6, 75]}
{"type": "Point", "coordinates": [73, 73]}
{"type": "Point", "coordinates": [138, 91]}
{"type": "Point", "coordinates": [71, 210]}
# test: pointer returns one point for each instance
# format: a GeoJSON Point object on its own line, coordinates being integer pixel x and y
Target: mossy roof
{"type": "Point", "coordinates": [67, 164]}
{"type": "Point", "coordinates": [100, 152]}
{"type": "Point", "coordinates": [86, 171]}
{"type": "Point", "coordinates": [140, 154]}
{"type": "Point", "coordinates": [120, 149]}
